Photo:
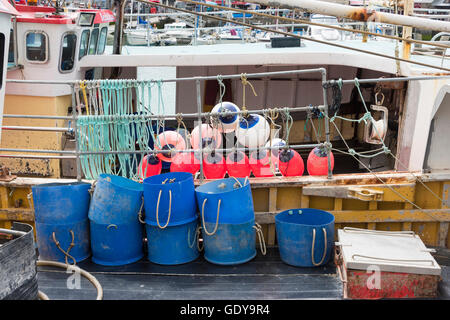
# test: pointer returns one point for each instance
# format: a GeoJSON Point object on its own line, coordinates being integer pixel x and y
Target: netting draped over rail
{"type": "Point", "coordinates": [115, 120]}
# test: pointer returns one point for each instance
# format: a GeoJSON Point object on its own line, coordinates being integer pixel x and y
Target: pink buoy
{"type": "Point", "coordinates": [185, 162]}
{"type": "Point", "coordinates": [290, 163]}
{"type": "Point", "coordinates": [214, 166]}
{"type": "Point", "coordinates": [260, 163]}
{"type": "Point", "coordinates": [169, 140]}
{"type": "Point", "coordinates": [150, 166]}
{"type": "Point", "coordinates": [238, 165]}
{"type": "Point", "coordinates": [211, 138]}
{"type": "Point", "coordinates": [317, 163]}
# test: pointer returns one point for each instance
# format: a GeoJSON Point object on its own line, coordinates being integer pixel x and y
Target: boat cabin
{"type": "Point", "coordinates": [53, 40]}
{"type": "Point", "coordinates": [6, 13]}
{"type": "Point", "coordinates": [47, 43]}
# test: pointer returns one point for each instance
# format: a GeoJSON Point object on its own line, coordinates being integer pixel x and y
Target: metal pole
{"type": "Point", "coordinates": [233, 76]}
{"type": "Point", "coordinates": [407, 31]}
{"type": "Point", "coordinates": [327, 124]}
{"type": "Point", "coordinates": [24, 128]}
{"type": "Point", "coordinates": [399, 79]}
{"type": "Point", "coordinates": [199, 110]}
{"type": "Point", "coordinates": [29, 116]}
{"type": "Point", "coordinates": [357, 13]}
{"type": "Point", "coordinates": [75, 129]}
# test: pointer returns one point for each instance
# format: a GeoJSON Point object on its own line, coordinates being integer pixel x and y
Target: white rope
{"type": "Point", "coordinates": [324, 249]}
{"type": "Point", "coordinates": [157, 209]}
{"type": "Point", "coordinates": [217, 218]}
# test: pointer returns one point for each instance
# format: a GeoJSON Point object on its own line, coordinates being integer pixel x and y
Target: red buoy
{"type": "Point", "coordinates": [238, 165]}
{"type": "Point", "coordinates": [317, 163]}
{"type": "Point", "coordinates": [214, 166]}
{"type": "Point", "coordinates": [260, 163]}
{"type": "Point", "coordinates": [185, 162]}
{"type": "Point", "coordinates": [149, 166]}
{"type": "Point", "coordinates": [290, 163]}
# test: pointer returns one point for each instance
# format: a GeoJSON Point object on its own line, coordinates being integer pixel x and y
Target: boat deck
{"type": "Point", "coordinates": [263, 278]}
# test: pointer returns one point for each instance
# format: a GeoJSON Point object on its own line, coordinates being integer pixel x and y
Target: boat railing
{"type": "Point", "coordinates": [77, 154]}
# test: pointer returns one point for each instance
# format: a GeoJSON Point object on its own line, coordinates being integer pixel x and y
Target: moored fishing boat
{"type": "Point", "coordinates": [395, 193]}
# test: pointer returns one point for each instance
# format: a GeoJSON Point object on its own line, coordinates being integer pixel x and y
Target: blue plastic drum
{"type": "Point", "coordinates": [226, 201]}
{"type": "Point", "coordinates": [230, 244]}
{"type": "Point", "coordinates": [61, 217]}
{"type": "Point", "coordinates": [169, 199]}
{"type": "Point", "coordinates": [305, 236]}
{"type": "Point", "coordinates": [174, 244]}
{"type": "Point", "coordinates": [116, 233]}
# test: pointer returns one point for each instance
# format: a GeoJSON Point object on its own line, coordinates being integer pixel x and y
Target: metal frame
{"type": "Point", "coordinates": [61, 154]}
{"type": "Point", "coordinates": [199, 115]}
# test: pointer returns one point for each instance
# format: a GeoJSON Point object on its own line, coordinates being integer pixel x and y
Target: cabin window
{"type": "Point", "coordinates": [102, 40]}
{"type": "Point", "coordinates": [69, 44]}
{"type": "Point", "coordinates": [83, 44]}
{"type": "Point", "coordinates": [12, 49]}
{"type": "Point", "coordinates": [36, 46]}
{"type": "Point", "coordinates": [93, 43]}
{"type": "Point", "coordinates": [2, 50]}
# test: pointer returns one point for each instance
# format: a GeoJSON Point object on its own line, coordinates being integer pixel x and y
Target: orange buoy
{"type": "Point", "coordinates": [260, 163]}
{"type": "Point", "coordinates": [169, 140]}
{"type": "Point", "coordinates": [290, 163]}
{"type": "Point", "coordinates": [238, 164]}
{"type": "Point", "coordinates": [150, 166]}
{"type": "Point", "coordinates": [214, 166]}
{"type": "Point", "coordinates": [185, 162]}
{"type": "Point", "coordinates": [317, 164]}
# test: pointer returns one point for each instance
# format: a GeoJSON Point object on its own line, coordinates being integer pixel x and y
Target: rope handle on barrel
{"type": "Point", "coordinates": [324, 249]}
{"type": "Point", "coordinates": [66, 253]}
{"type": "Point", "coordinates": [217, 219]}
{"type": "Point", "coordinates": [262, 243]}
{"type": "Point", "coordinates": [157, 209]}
{"type": "Point", "coordinates": [92, 188]}
{"type": "Point", "coordinates": [196, 238]}
{"type": "Point", "coordinates": [140, 212]}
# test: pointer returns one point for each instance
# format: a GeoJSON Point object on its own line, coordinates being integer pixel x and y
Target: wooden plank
{"type": "Point", "coordinates": [19, 214]}
{"type": "Point", "coordinates": [391, 192]}
{"type": "Point", "coordinates": [273, 199]}
{"type": "Point", "coordinates": [443, 234]}
{"type": "Point", "coordinates": [373, 205]}
{"type": "Point", "coordinates": [304, 201]}
{"type": "Point", "coordinates": [4, 196]}
{"type": "Point", "coordinates": [375, 216]}
{"type": "Point", "coordinates": [337, 204]}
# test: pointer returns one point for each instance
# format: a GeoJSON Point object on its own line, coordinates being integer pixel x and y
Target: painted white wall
{"type": "Point", "coordinates": [420, 101]}
{"type": "Point", "coordinates": [168, 89]}
{"type": "Point", "coordinates": [438, 153]}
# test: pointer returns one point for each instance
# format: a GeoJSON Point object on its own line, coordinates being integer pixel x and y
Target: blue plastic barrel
{"type": "Point", "coordinates": [172, 193]}
{"type": "Point", "coordinates": [61, 217]}
{"type": "Point", "coordinates": [173, 244]}
{"type": "Point", "coordinates": [232, 197]}
{"type": "Point", "coordinates": [305, 236]}
{"type": "Point", "coordinates": [116, 233]}
{"type": "Point", "coordinates": [230, 244]}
